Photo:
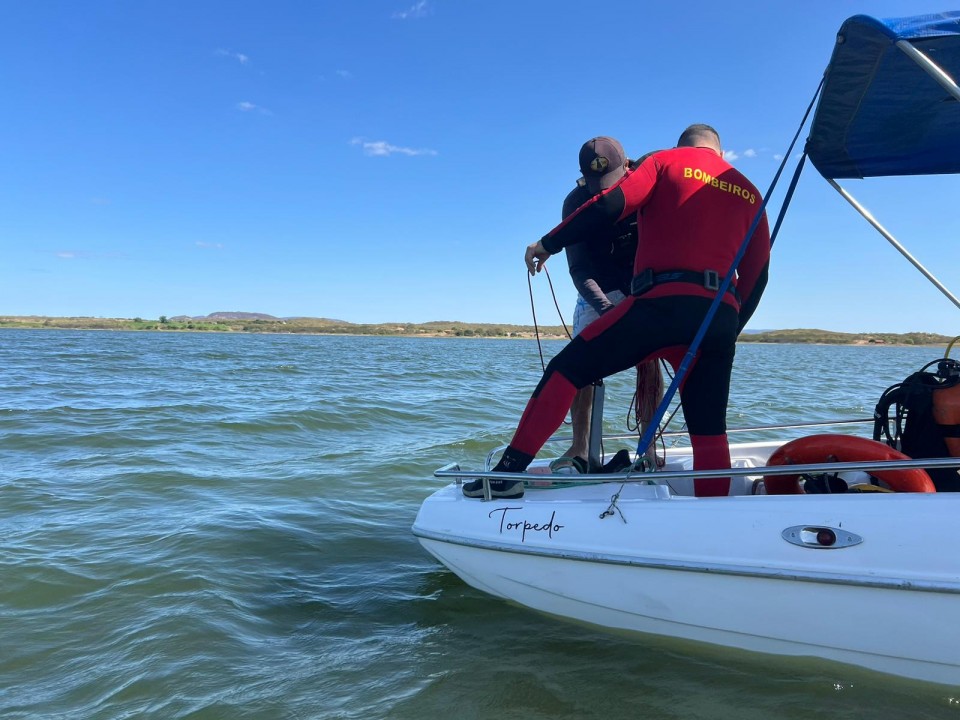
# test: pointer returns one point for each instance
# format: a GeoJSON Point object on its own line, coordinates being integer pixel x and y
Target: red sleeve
{"type": "Point", "coordinates": [638, 185]}
{"type": "Point", "coordinates": [606, 209]}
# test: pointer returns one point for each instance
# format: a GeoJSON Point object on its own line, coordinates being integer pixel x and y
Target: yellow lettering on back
{"type": "Point", "coordinates": [708, 179]}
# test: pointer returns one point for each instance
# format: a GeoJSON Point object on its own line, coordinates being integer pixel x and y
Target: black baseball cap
{"type": "Point", "coordinates": [601, 162]}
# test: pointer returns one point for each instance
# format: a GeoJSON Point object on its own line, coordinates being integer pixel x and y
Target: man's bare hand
{"type": "Point", "coordinates": [534, 257]}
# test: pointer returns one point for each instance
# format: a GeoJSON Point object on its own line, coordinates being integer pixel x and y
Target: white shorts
{"type": "Point", "coordinates": [584, 314]}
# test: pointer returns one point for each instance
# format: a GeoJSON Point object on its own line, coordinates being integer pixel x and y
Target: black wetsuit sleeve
{"type": "Point", "coordinates": [581, 272]}
{"type": "Point", "coordinates": [596, 215]}
{"type": "Point", "coordinates": [753, 272]}
{"type": "Point", "coordinates": [580, 260]}
{"type": "Point", "coordinates": [749, 303]}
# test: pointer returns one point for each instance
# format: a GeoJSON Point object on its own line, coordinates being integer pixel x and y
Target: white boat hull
{"type": "Point", "coordinates": [719, 570]}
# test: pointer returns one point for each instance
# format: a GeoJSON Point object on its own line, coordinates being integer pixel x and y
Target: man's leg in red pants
{"type": "Point", "coordinates": [710, 452]}
{"type": "Point", "coordinates": [603, 348]}
{"type": "Point", "coordinates": [544, 413]}
{"type": "Point", "coordinates": [704, 397]}
{"type": "Point", "coordinates": [554, 400]}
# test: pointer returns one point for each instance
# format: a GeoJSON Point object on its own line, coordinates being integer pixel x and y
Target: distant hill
{"type": "Point", "coordinates": [236, 316]}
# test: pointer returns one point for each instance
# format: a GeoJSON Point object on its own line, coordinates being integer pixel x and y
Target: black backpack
{"type": "Point", "coordinates": [912, 430]}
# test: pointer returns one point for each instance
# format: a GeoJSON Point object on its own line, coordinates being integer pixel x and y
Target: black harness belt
{"type": "Point", "coordinates": [710, 279]}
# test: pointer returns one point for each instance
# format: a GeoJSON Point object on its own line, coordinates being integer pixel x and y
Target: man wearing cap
{"type": "Point", "coordinates": [601, 269]}
{"type": "Point", "coordinates": [698, 211]}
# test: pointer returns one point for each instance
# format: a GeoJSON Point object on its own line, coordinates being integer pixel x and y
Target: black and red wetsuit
{"type": "Point", "coordinates": [696, 210]}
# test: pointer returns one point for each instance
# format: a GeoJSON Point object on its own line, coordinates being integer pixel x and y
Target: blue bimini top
{"type": "Point", "coordinates": [881, 113]}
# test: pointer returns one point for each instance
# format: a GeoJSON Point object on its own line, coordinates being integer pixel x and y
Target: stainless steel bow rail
{"type": "Point", "coordinates": [682, 433]}
{"type": "Point", "coordinates": [453, 470]}
{"type": "Point", "coordinates": [658, 477]}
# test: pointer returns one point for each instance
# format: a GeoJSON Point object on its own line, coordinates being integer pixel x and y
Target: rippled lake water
{"type": "Point", "coordinates": [218, 526]}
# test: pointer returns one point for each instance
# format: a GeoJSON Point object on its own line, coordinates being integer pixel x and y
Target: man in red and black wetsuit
{"type": "Point", "coordinates": [697, 210]}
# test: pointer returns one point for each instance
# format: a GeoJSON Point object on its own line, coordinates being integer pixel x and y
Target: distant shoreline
{"type": "Point", "coordinates": [264, 324]}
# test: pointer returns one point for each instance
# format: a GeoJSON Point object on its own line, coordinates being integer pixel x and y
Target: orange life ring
{"type": "Point", "coordinates": [842, 448]}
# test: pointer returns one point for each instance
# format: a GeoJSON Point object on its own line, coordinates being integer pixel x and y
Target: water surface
{"type": "Point", "coordinates": [218, 526]}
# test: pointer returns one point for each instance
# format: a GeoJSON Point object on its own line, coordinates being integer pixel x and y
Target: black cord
{"type": "Point", "coordinates": [556, 304]}
{"type": "Point", "coordinates": [533, 312]}
{"type": "Point", "coordinates": [536, 328]}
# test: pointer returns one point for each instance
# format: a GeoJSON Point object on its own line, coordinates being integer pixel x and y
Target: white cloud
{"type": "Point", "coordinates": [778, 156]}
{"type": "Point", "coordinates": [417, 10]}
{"type": "Point", "coordinates": [215, 246]}
{"type": "Point", "coordinates": [250, 107]}
{"type": "Point", "coordinates": [731, 155]}
{"type": "Point", "coordinates": [84, 255]}
{"type": "Point", "coordinates": [345, 74]}
{"type": "Point", "coordinates": [381, 148]}
{"type": "Point", "coordinates": [239, 57]}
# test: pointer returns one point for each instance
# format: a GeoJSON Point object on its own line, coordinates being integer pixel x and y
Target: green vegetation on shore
{"type": "Point", "coordinates": [254, 323]}
{"type": "Point", "coordinates": [258, 323]}
{"type": "Point", "coordinates": [826, 337]}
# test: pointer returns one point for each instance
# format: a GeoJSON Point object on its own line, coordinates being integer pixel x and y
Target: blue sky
{"type": "Point", "coordinates": [389, 160]}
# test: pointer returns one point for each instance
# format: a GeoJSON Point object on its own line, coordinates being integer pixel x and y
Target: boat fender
{"type": "Point", "coordinates": [842, 448]}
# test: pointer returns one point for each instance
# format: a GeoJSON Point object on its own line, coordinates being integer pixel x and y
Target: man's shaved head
{"type": "Point", "coordinates": [700, 135]}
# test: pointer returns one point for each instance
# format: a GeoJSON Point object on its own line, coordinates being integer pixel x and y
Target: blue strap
{"type": "Point", "coordinates": [647, 438]}
{"type": "Point", "coordinates": [787, 198]}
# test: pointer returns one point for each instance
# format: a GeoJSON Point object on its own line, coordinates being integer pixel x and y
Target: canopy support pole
{"type": "Point", "coordinates": [892, 240]}
{"type": "Point", "coordinates": [932, 69]}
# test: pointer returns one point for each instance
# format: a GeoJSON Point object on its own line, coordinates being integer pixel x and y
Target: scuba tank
{"type": "Point", "coordinates": [926, 420]}
{"type": "Point", "coordinates": [946, 413]}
